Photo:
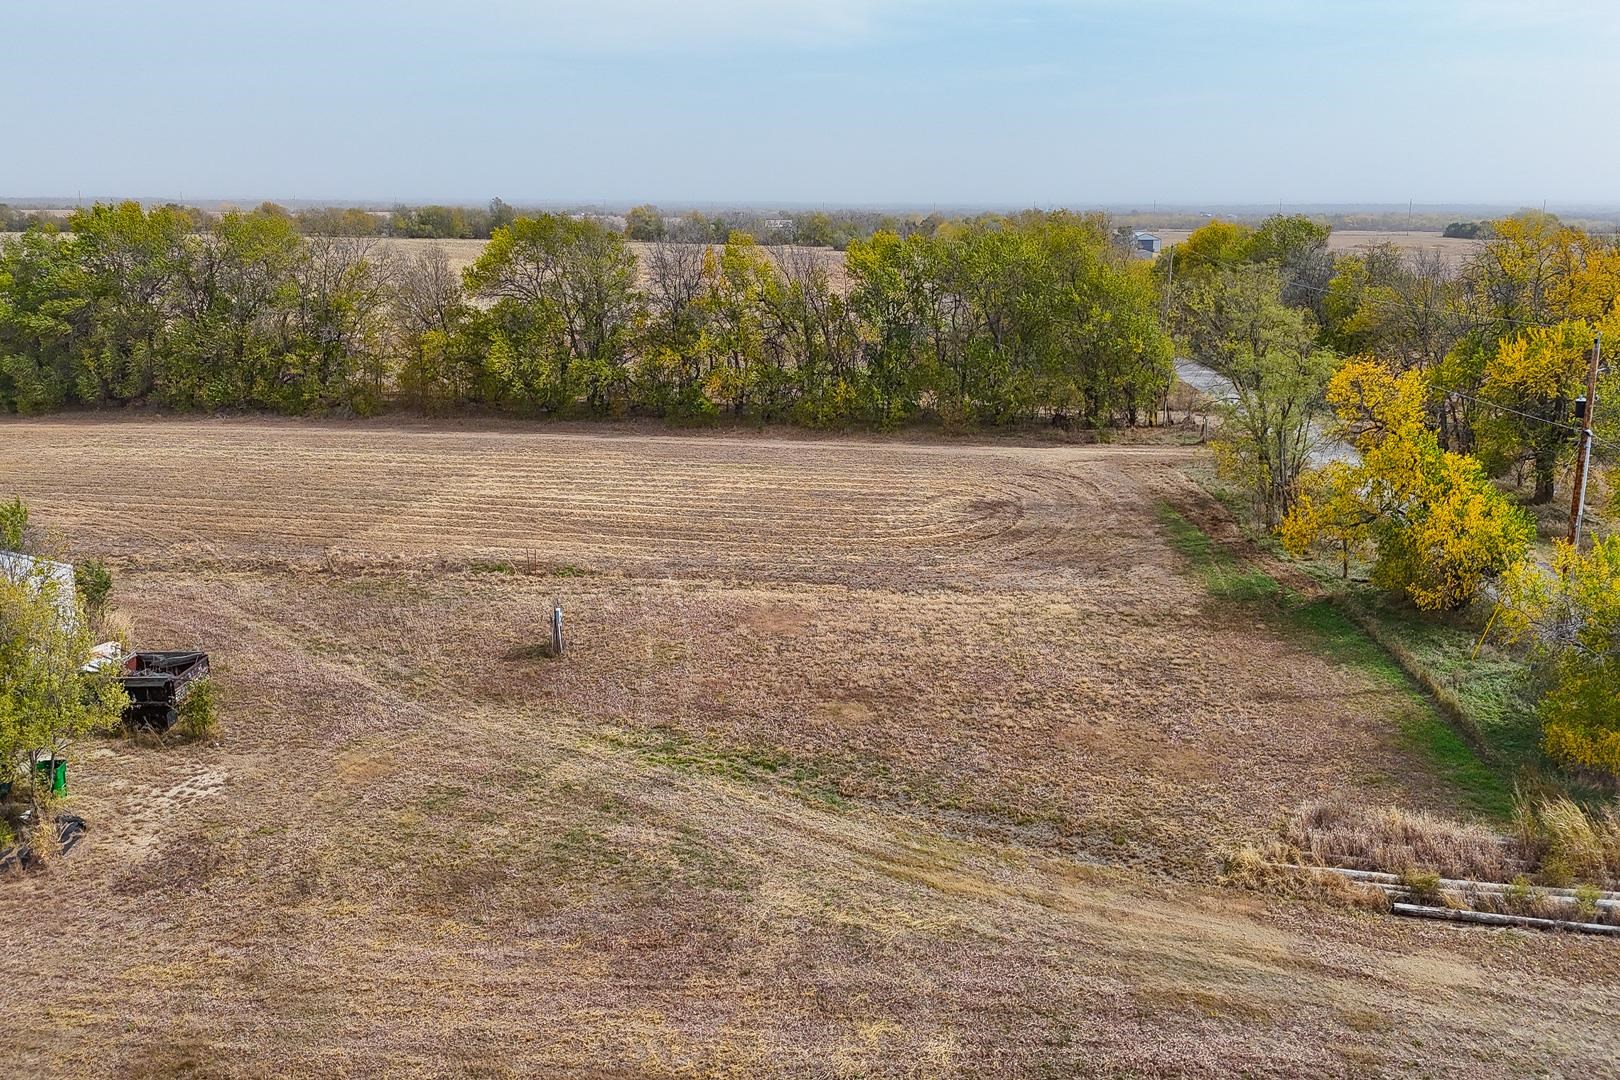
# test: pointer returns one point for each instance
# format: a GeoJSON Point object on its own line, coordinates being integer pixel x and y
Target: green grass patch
{"type": "Point", "coordinates": [1226, 576]}
{"type": "Point", "coordinates": [1490, 691]}
{"type": "Point", "coordinates": [1331, 632]}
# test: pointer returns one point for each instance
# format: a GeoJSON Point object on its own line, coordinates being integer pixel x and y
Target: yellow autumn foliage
{"type": "Point", "coordinates": [1439, 527]}
{"type": "Point", "coordinates": [1571, 617]}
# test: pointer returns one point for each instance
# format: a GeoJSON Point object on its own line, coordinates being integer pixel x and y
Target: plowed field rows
{"type": "Point", "coordinates": [243, 493]}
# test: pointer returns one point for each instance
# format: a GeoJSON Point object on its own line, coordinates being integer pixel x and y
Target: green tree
{"type": "Point", "coordinates": [1235, 322]}
{"type": "Point", "coordinates": [886, 299]}
{"type": "Point", "coordinates": [644, 223]}
{"type": "Point", "coordinates": [1571, 619]}
{"type": "Point", "coordinates": [564, 307]}
{"type": "Point", "coordinates": [45, 701]}
{"type": "Point", "coordinates": [40, 305]}
{"type": "Point", "coordinates": [127, 265]}
{"type": "Point", "coordinates": [335, 221]}
{"type": "Point", "coordinates": [1534, 377]}
{"type": "Point", "coordinates": [233, 337]}
{"type": "Point", "coordinates": [339, 328]}
{"type": "Point", "coordinates": [742, 357]}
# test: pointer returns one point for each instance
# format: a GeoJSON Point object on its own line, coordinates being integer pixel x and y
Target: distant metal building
{"type": "Point", "coordinates": [19, 569]}
{"type": "Point", "coordinates": [1146, 243]}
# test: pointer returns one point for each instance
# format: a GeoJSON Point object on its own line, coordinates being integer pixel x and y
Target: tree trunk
{"type": "Point", "coordinates": [1545, 465]}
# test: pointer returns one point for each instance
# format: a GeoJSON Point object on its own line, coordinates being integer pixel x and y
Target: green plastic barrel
{"type": "Point", "coordinates": [56, 769]}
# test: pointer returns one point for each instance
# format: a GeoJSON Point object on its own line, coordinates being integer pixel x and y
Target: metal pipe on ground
{"type": "Point", "coordinates": [1449, 884]}
{"type": "Point", "coordinates": [1491, 918]}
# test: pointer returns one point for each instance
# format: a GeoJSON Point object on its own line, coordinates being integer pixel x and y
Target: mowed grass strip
{"type": "Point", "coordinates": [1327, 630]}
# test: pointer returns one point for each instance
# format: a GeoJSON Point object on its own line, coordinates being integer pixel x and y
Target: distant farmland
{"type": "Point", "coordinates": [1348, 242]}
{"type": "Point", "coordinates": [463, 253]}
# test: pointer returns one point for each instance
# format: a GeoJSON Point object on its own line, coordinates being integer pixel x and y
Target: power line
{"type": "Point", "coordinates": [1515, 412]}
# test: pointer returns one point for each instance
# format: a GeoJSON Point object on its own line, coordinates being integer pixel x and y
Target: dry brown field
{"type": "Point", "coordinates": [867, 758]}
{"type": "Point", "coordinates": [1349, 241]}
{"type": "Point", "coordinates": [463, 253]}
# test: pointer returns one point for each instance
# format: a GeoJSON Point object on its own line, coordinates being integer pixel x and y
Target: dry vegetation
{"type": "Point", "coordinates": [463, 253]}
{"type": "Point", "coordinates": [1350, 241]}
{"type": "Point", "coordinates": [868, 759]}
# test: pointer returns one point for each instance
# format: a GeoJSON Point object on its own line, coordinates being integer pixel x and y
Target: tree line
{"type": "Point", "coordinates": [834, 229]}
{"type": "Point", "coordinates": [990, 322]}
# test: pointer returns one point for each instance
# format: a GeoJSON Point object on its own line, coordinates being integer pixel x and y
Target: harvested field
{"type": "Point", "coordinates": [1349, 241]}
{"type": "Point", "coordinates": [463, 253]}
{"type": "Point", "coordinates": [868, 758]}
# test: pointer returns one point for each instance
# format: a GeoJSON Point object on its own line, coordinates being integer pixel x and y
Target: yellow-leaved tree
{"type": "Point", "coordinates": [1439, 527]}
{"type": "Point", "coordinates": [1534, 378]}
{"type": "Point", "coordinates": [1571, 618]}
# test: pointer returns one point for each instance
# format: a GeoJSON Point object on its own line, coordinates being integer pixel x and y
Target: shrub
{"type": "Point", "coordinates": [1572, 845]}
{"type": "Point", "coordinates": [1425, 885]}
{"type": "Point", "coordinates": [13, 524]}
{"type": "Point", "coordinates": [94, 583]}
{"type": "Point", "coordinates": [198, 713]}
{"type": "Point", "coordinates": [114, 625]}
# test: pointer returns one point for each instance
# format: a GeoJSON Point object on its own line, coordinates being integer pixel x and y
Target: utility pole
{"type": "Point", "coordinates": [1583, 458]}
{"type": "Point", "coordinates": [1170, 278]}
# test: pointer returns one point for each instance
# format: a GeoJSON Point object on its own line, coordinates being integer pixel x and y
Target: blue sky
{"type": "Point", "coordinates": [805, 102]}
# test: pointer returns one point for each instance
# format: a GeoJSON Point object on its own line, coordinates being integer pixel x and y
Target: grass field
{"type": "Point", "coordinates": [867, 758]}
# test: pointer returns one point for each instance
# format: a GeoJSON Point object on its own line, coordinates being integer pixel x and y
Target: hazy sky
{"type": "Point", "coordinates": [1076, 102]}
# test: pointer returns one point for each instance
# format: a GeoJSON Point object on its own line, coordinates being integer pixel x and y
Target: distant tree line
{"type": "Point", "coordinates": [816, 228]}
{"type": "Point", "coordinates": [989, 322]}
{"type": "Point", "coordinates": [17, 219]}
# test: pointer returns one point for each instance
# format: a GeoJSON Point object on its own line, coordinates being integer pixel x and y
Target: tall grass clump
{"type": "Point", "coordinates": [1554, 843]}
{"type": "Point", "coordinates": [1398, 841]}
{"type": "Point", "coordinates": [1569, 844]}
